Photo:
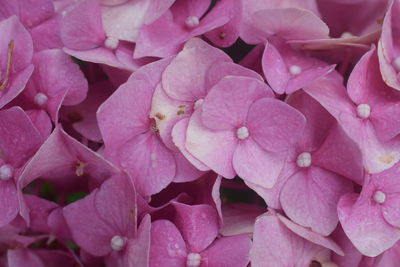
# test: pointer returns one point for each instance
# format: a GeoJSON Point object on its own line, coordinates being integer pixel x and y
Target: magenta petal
{"type": "Point", "coordinates": [146, 159]}
{"type": "Point", "coordinates": [232, 251]}
{"type": "Point", "coordinates": [310, 198]}
{"type": "Point", "coordinates": [23, 257]}
{"type": "Point", "coordinates": [81, 27]}
{"type": "Point", "coordinates": [115, 204]}
{"type": "Point", "coordinates": [255, 165]}
{"type": "Point", "coordinates": [167, 247]}
{"type": "Point", "coordinates": [274, 125]}
{"type": "Point", "coordinates": [214, 148]}
{"type": "Point", "coordinates": [90, 232]}
{"type": "Point", "coordinates": [341, 155]}
{"type": "Point", "coordinates": [228, 102]}
{"type": "Point", "coordinates": [9, 206]}
{"type": "Point", "coordinates": [185, 171]}
{"type": "Point", "coordinates": [19, 138]}
{"type": "Point", "coordinates": [364, 225]}
{"type": "Point", "coordinates": [198, 224]}
{"type": "Point", "coordinates": [138, 248]}
{"type": "Point", "coordinates": [56, 73]}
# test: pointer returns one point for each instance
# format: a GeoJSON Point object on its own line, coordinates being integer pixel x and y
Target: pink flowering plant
{"type": "Point", "coordinates": [199, 133]}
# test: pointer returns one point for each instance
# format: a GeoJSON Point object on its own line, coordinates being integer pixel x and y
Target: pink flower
{"type": "Point", "coordinates": [371, 219]}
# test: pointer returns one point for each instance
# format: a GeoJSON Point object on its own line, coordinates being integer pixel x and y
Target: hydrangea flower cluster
{"type": "Point", "coordinates": [192, 133]}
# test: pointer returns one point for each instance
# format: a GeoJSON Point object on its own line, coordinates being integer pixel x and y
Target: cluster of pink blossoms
{"type": "Point", "coordinates": [191, 133]}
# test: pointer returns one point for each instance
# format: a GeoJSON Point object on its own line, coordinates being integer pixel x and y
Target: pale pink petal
{"type": "Point", "coordinates": [179, 138]}
{"type": "Point", "coordinates": [290, 24]}
{"type": "Point", "coordinates": [197, 57]}
{"type": "Point", "coordinates": [214, 149]}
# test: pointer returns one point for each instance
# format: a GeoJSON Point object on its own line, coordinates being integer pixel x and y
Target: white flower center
{"type": "Point", "coordinates": [117, 242]}
{"type": "Point", "coordinates": [6, 172]}
{"type": "Point", "coordinates": [198, 103]}
{"type": "Point", "coordinates": [379, 197]}
{"type": "Point", "coordinates": [111, 43]}
{"type": "Point", "coordinates": [40, 99]}
{"type": "Point", "coordinates": [192, 21]}
{"type": "Point", "coordinates": [363, 111]}
{"type": "Point", "coordinates": [193, 260]}
{"type": "Point", "coordinates": [396, 63]}
{"type": "Point", "coordinates": [242, 132]}
{"type": "Point", "coordinates": [295, 70]}
{"type": "Point", "coordinates": [304, 160]}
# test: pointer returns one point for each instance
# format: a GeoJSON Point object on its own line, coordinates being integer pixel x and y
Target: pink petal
{"type": "Point", "coordinates": [19, 138]}
{"type": "Point", "coordinates": [23, 257]}
{"type": "Point", "coordinates": [167, 112]}
{"type": "Point", "coordinates": [285, 249]}
{"type": "Point", "coordinates": [146, 159]}
{"type": "Point", "coordinates": [81, 27]}
{"type": "Point", "coordinates": [89, 231]}
{"type": "Point", "coordinates": [257, 166]}
{"type": "Point", "coordinates": [115, 203]}
{"type": "Point", "coordinates": [9, 206]}
{"type": "Point", "coordinates": [227, 104]}
{"type": "Point", "coordinates": [219, 70]}
{"type": "Point", "coordinates": [126, 112]}
{"type": "Point", "coordinates": [179, 138]}
{"type": "Point", "coordinates": [311, 236]}
{"type": "Point", "coordinates": [340, 155]}
{"type": "Point", "coordinates": [198, 224]}
{"type": "Point", "coordinates": [274, 125]}
{"type": "Point", "coordinates": [232, 251]}
{"type": "Point", "coordinates": [290, 23]}
{"type": "Point", "coordinates": [214, 149]}
{"type": "Point", "coordinates": [197, 56]}
{"type": "Point", "coordinates": [138, 249]}
{"type": "Point", "coordinates": [279, 58]}
{"type": "Point", "coordinates": [310, 198]}
{"type": "Point", "coordinates": [185, 171]}
{"type": "Point", "coordinates": [167, 247]}
{"type": "Point", "coordinates": [364, 225]}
